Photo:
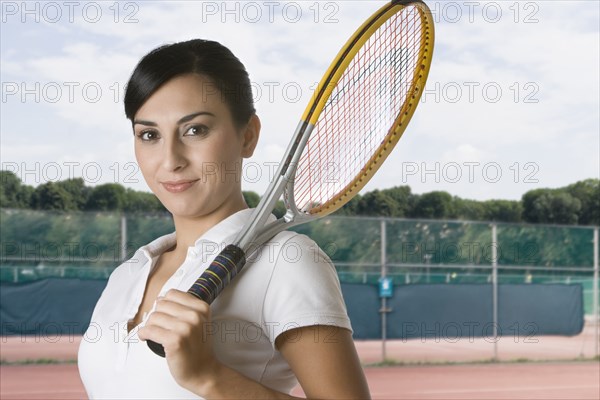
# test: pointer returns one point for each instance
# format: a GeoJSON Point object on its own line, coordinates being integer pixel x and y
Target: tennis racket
{"type": "Point", "coordinates": [357, 114]}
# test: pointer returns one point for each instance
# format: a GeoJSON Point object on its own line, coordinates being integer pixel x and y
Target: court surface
{"type": "Point", "coordinates": [544, 380]}
{"type": "Point", "coordinates": [486, 381]}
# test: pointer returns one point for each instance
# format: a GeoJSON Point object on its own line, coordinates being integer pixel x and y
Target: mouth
{"type": "Point", "coordinates": [178, 186]}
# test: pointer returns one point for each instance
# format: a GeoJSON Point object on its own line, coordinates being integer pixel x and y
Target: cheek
{"type": "Point", "coordinates": [145, 162]}
{"type": "Point", "coordinates": [139, 157]}
{"type": "Point", "coordinates": [231, 147]}
{"type": "Point", "coordinates": [225, 149]}
{"type": "Point", "coordinates": [219, 163]}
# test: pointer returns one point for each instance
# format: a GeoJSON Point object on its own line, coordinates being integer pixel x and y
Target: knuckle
{"type": "Point", "coordinates": [187, 331]}
{"type": "Point", "coordinates": [204, 307]}
{"type": "Point", "coordinates": [155, 315]}
{"type": "Point", "coordinates": [195, 319]}
{"type": "Point", "coordinates": [151, 319]}
{"type": "Point", "coordinates": [174, 344]}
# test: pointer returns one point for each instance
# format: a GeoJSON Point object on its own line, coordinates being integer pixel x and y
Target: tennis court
{"type": "Point", "coordinates": [561, 379]}
{"type": "Point", "coordinates": [566, 366]}
{"type": "Point", "coordinates": [524, 381]}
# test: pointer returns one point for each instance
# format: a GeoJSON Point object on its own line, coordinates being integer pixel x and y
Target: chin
{"type": "Point", "coordinates": [186, 213]}
{"type": "Point", "coordinates": [183, 210]}
{"type": "Point", "coordinates": [189, 208]}
{"type": "Point", "coordinates": [179, 206]}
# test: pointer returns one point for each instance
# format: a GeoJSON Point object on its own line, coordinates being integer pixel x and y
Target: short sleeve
{"type": "Point", "coordinates": [304, 290]}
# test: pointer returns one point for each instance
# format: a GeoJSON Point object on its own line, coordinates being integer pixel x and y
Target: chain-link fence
{"type": "Point", "coordinates": [89, 245]}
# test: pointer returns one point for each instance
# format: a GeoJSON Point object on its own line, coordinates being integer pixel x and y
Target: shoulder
{"type": "Point", "coordinates": [294, 250]}
{"type": "Point", "coordinates": [289, 257]}
{"type": "Point", "coordinates": [303, 288]}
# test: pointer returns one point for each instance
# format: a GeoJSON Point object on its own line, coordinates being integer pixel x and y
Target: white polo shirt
{"type": "Point", "coordinates": [288, 284]}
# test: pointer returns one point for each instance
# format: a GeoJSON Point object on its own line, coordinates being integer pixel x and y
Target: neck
{"type": "Point", "coordinates": [189, 229]}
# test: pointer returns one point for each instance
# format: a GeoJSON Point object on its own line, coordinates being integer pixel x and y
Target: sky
{"type": "Point", "coordinates": [511, 104]}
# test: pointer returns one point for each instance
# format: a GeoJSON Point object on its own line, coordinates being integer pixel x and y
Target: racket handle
{"type": "Point", "coordinates": [211, 283]}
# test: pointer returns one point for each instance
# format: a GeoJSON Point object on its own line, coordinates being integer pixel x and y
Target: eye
{"type": "Point", "coordinates": [148, 135]}
{"type": "Point", "coordinates": [196, 130]}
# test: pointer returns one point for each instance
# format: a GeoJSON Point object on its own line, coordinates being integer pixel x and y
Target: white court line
{"type": "Point", "coordinates": [30, 392]}
{"type": "Point", "coordinates": [491, 390]}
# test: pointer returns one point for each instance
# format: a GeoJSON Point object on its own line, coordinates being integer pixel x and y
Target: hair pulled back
{"type": "Point", "coordinates": [206, 58]}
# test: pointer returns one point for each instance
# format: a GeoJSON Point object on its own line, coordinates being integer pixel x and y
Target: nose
{"type": "Point", "coordinates": [174, 158]}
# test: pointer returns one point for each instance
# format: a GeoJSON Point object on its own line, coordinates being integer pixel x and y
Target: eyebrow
{"type": "Point", "coordinates": [182, 120]}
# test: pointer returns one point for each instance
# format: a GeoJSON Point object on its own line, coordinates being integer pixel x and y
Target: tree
{"type": "Point", "coordinates": [351, 207]}
{"type": "Point", "coordinates": [13, 194]}
{"type": "Point", "coordinates": [533, 209]}
{"type": "Point", "coordinates": [51, 196]}
{"type": "Point", "coordinates": [403, 198]}
{"type": "Point", "coordinates": [77, 190]}
{"type": "Point", "coordinates": [588, 193]}
{"type": "Point", "coordinates": [550, 206]}
{"type": "Point", "coordinates": [471, 210]}
{"type": "Point", "coordinates": [251, 198]}
{"type": "Point", "coordinates": [433, 205]}
{"type": "Point", "coordinates": [578, 203]}
{"type": "Point", "coordinates": [377, 203]}
{"type": "Point", "coordinates": [279, 210]}
{"type": "Point", "coordinates": [502, 210]}
{"type": "Point", "coordinates": [141, 202]}
{"type": "Point", "coordinates": [107, 197]}
{"type": "Point", "coordinates": [24, 196]}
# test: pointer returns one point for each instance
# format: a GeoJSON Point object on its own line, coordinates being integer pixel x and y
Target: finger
{"type": "Point", "coordinates": [169, 340]}
{"type": "Point", "coordinates": [172, 329]}
{"type": "Point", "coordinates": [166, 321]}
{"type": "Point", "coordinates": [176, 327]}
{"type": "Point", "coordinates": [181, 312]}
{"type": "Point", "coordinates": [154, 332]}
{"type": "Point", "coordinates": [186, 299]}
{"type": "Point", "coordinates": [170, 306]}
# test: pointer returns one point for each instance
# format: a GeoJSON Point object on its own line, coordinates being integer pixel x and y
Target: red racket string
{"type": "Point", "coordinates": [370, 111]}
{"type": "Point", "coordinates": [343, 125]}
{"type": "Point", "coordinates": [360, 111]}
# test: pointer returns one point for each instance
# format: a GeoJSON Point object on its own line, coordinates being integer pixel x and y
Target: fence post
{"type": "Point", "coordinates": [495, 289]}
{"type": "Point", "coordinates": [595, 296]}
{"type": "Point", "coordinates": [123, 237]}
{"type": "Point", "coordinates": [383, 310]}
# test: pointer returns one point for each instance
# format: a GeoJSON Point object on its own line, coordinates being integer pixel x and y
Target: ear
{"type": "Point", "coordinates": [251, 134]}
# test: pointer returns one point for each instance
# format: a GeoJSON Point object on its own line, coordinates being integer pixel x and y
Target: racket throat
{"type": "Point", "coordinates": [283, 179]}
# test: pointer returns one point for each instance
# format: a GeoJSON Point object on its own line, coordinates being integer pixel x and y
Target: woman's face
{"type": "Point", "coordinates": [189, 149]}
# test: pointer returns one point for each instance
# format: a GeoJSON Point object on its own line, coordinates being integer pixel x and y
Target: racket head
{"type": "Point", "coordinates": [361, 107]}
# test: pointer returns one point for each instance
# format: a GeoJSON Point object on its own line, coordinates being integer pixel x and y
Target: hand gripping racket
{"type": "Point", "coordinates": [356, 116]}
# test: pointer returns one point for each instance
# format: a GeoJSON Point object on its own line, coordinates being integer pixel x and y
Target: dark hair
{"type": "Point", "coordinates": [203, 57]}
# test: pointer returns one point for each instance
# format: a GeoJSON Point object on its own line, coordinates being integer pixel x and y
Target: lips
{"type": "Point", "coordinates": [178, 186]}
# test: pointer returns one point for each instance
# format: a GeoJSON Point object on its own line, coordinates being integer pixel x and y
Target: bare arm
{"type": "Point", "coordinates": [323, 358]}
{"type": "Point", "coordinates": [227, 383]}
{"type": "Point", "coordinates": [325, 362]}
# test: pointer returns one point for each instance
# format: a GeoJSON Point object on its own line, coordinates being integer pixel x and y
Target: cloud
{"type": "Point", "coordinates": [501, 92]}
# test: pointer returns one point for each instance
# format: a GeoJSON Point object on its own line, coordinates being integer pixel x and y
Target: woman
{"type": "Point", "coordinates": [281, 321]}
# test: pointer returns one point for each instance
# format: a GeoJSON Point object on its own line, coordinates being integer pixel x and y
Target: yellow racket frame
{"type": "Point", "coordinates": [337, 69]}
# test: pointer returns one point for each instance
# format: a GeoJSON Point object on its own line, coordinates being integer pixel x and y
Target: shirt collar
{"type": "Point", "coordinates": [221, 234]}
{"type": "Point", "coordinates": [159, 245]}
{"type": "Point", "coordinates": [224, 231]}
